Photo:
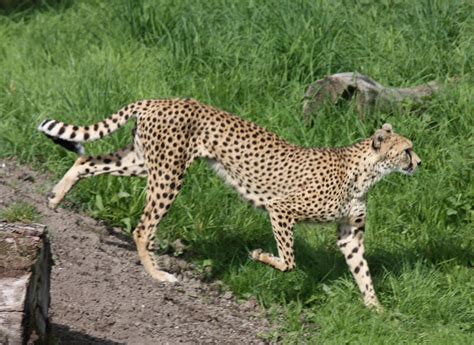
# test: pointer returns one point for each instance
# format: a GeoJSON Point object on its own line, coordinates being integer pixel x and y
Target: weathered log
{"type": "Point", "coordinates": [368, 93]}
{"type": "Point", "coordinates": [25, 266]}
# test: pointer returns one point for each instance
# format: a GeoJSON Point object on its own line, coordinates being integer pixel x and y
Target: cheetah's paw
{"type": "Point", "coordinates": [52, 202]}
{"type": "Point", "coordinates": [163, 276]}
{"type": "Point", "coordinates": [255, 254]}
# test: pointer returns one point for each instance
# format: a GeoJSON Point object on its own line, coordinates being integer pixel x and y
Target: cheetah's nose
{"type": "Point", "coordinates": [418, 161]}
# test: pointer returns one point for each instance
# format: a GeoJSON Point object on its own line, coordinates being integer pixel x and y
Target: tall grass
{"type": "Point", "coordinates": [80, 61]}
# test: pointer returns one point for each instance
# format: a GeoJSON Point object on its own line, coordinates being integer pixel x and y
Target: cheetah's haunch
{"type": "Point", "coordinates": [292, 183]}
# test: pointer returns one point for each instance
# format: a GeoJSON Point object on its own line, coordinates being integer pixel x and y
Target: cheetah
{"type": "Point", "coordinates": [290, 182]}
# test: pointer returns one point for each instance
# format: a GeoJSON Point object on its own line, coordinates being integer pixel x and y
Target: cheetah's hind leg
{"type": "Point", "coordinates": [124, 162]}
{"type": "Point", "coordinates": [162, 189]}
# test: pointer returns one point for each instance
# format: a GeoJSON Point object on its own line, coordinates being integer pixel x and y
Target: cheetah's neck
{"type": "Point", "coordinates": [362, 168]}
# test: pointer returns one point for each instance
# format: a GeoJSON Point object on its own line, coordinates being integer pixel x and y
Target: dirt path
{"type": "Point", "coordinates": [101, 295]}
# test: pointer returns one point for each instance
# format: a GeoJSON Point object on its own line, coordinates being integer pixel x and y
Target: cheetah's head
{"type": "Point", "coordinates": [394, 152]}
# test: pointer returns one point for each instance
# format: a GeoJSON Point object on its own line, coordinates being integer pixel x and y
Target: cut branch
{"type": "Point", "coordinates": [368, 93]}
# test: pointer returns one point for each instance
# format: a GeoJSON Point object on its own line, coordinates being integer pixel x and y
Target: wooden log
{"type": "Point", "coordinates": [25, 267]}
{"type": "Point", "coordinates": [368, 93]}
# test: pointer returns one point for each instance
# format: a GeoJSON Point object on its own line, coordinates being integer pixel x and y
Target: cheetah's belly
{"type": "Point", "coordinates": [245, 188]}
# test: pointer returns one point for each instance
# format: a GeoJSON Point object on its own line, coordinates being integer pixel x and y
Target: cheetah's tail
{"type": "Point", "coordinates": [71, 137]}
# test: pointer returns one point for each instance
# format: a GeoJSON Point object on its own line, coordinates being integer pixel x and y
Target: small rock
{"type": "Point", "coordinates": [227, 295]}
{"type": "Point", "coordinates": [27, 178]}
{"type": "Point", "coordinates": [183, 265]}
{"type": "Point", "coordinates": [193, 294]}
{"type": "Point", "coordinates": [178, 246]}
{"type": "Point", "coordinates": [215, 286]}
{"type": "Point", "coordinates": [251, 304]}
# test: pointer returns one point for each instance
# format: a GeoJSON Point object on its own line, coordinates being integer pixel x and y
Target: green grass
{"type": "Point", "coordinates": [20, 212]}
{"type": "Point", "coordinates": [80, 61]}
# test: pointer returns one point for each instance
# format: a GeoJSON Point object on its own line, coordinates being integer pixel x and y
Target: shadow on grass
{"type": "Point", "coordinates": [227, 252]}
{"type": "Point", "coordinates": [317, 265]}
{"type": "Point", "coordinates": [434, 253]}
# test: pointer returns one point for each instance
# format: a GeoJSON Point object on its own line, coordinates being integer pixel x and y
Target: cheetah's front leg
{"type": "Point", "coordinates": [283, 231]}
{"type": "Point", "coordinates": [351, 243]}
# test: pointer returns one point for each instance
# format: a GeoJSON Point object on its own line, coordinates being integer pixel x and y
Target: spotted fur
{"type": "Point", "coordinates": [292, 183]}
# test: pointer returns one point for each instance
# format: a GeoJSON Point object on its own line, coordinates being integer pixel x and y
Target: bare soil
{"type": "Point", "coordinates": [101, 295]}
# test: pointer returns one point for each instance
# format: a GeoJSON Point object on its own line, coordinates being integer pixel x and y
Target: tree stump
{"type": "Point", "coordinates": [25, 266]}
{"type": "Point", "coordinates": [368, 93]}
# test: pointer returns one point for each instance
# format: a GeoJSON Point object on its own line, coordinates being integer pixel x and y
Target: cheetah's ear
{"type": "Point", "coordinates": [387, 127]}
{"type": "Point", "coordinates": [380, 135]}
{"type": "Point", "coordinates": [378, 138]}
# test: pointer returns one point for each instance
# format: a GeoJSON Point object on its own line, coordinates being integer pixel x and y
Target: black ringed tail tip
{"type": "Point", "coordinates": [70, 136]}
